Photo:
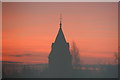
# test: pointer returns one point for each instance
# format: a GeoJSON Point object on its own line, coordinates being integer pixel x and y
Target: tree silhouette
{"type": "Point", "coordinates": [116, 57]}
{"type": "Point", "coordinates": [75, 53]}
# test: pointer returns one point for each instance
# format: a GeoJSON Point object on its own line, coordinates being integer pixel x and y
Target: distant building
{"type": "Point", "coordinates": [60, 59]}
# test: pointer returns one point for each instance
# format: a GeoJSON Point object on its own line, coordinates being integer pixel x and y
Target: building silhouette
{"type": "Point", "coordinates": [60, 59]}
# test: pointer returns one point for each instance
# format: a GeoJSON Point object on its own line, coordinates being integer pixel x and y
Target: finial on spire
{"type": "Point", "coordinates": [60, 20]}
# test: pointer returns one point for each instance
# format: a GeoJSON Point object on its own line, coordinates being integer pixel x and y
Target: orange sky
{"type": "Point", "coordinates": [30, 28]}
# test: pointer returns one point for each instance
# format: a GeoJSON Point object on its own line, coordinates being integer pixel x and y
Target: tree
{"type": "Point", "coordinates": [116, 57]}
{"type": "Point", "coordinates": [75, 53]}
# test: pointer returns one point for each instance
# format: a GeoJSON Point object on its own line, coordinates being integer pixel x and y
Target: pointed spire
{"type": "Point", "coordinates": [60, 36]}
{"type": "Point", "coordinates": [60, 20]}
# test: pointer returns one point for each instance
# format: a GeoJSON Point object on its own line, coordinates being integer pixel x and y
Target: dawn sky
{"type": "Point", "coordinates": [30, 28]}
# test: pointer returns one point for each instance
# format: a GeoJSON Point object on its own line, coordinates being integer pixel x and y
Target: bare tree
{"type": "Point", "coordinates": [116, 57]}
{"type": "Point", "coordinates": [75, 53]}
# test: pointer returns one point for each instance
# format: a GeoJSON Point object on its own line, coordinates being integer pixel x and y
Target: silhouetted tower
{"type": "Point", "coordinates": [60, 59]}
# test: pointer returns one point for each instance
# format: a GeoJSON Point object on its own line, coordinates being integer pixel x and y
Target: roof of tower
{"type": "Point", "coordinates": [60, 37]}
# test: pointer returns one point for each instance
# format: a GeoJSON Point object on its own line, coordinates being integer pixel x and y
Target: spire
{"type": "Point", "coordinates": [60, 36]}
{"type": "Point", "coordinates": [60, 20]}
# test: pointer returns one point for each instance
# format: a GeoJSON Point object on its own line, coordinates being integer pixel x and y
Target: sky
{"type": "Point", "coordinates": [29, 29]}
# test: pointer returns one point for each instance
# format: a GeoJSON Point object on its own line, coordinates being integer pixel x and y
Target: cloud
{"type": "Point", "coordinates": [101, 52]}
{"type": "Point", "coordinates": [9, 62]}
{"type": "Point", "coordinates": [31, 54]}
{"type": "Point", "coordinates": [21, 55]}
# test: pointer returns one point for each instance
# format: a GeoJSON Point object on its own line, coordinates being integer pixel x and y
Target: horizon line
{"type": "Point", "coordinates": [59, 1]}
